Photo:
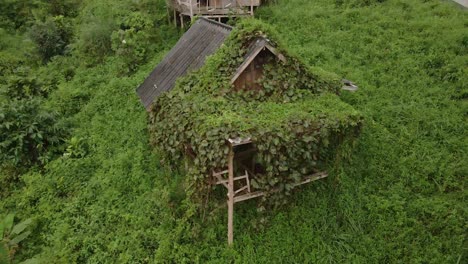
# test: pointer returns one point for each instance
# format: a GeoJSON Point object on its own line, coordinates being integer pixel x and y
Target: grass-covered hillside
{"type": "Point", "coordinates": [75, 155]}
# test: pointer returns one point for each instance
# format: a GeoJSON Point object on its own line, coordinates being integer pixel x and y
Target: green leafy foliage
{"type": "Point", "coordinates": [130, 29]}
{"type": "Point", "coordinates": [14, 14]}
{"type": "Point", "coordinates": [51, 37]}
{"type": "Point", "coordinates": [28, 133]}
{"type": "Point", "coordinates": [11, 236]}
{"type": "Point", "coordinates": [76, 148]}
{"type": "Point", "coordinates": [24, 84]}
{"type": "Point", "coordinates": [132, 40]}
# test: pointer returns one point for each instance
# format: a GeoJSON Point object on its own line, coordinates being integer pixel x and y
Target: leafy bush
{"type": "Point", "coordinates": [68, 8]}
{"type": "Point", "coordinates": [14, 14]}
{"type": "Point", "coordinates": [132, 40]}
{"type": "Point", "coordinates": [95, 38]}
{"type": "Point", "coordinates": [8, 63]}
{"type": "Point", "coordinates": [51, 37]}
{"type": "Point", "coordinates": [28, 134]}
{"type": "Point", "coordinates": [24, 84]}
{"type": "Point", "coordinates": [15, 51]}
{"type": "Point", "coordinates": [130, 29]}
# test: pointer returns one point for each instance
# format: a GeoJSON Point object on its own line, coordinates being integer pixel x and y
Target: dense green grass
{"type": "Point", "coordinates": [402, 197]}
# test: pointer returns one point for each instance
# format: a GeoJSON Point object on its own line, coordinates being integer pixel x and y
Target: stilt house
{"type": "Point", "coordinates": [214, 9]}
{"type": "Point", "coordinates": [311, 119]}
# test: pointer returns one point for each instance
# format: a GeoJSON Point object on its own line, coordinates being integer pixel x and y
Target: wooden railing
{"type": "Point", "coordinates": [214, 9]}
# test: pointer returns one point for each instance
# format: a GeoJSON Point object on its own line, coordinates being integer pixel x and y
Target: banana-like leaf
{"type": "Point", "coordinates": [8, 223]}
{"type": "Point", "coordinates": [18, 239]}
{"type": "Point", "coordinates": [4, 258]}
{"type": "Point", "coordinates": [31, 261]}
{"type": "Point", "coordinates": [17, 229]}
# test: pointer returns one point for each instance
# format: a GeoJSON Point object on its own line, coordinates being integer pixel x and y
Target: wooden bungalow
{"type": "Point", "coordinates": [203, 39]}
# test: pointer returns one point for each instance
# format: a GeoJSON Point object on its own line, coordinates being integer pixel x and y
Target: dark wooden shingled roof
{"type": "Point", "coordinates": [201, 40]}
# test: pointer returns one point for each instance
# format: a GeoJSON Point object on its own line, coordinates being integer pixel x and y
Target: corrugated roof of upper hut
{"type": "Point", "coordinates": [201, 40]}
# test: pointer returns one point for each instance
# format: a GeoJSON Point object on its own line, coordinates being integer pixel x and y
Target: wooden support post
{"type": "Point", "coordinates": [168, 15]}
{"type": "Point", "coordinates": [175, 18]}
{"type": "Point", "coordinates": [231, 196]}
{"type": "Point", "coordinates": [181, 21]}
{"type": "Point", "coordinates": [191, 10]}
{"type": "Point", "coordinates": [251, 8]}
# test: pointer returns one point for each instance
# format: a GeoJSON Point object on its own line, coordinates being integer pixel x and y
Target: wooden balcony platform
{"type": "Point", "coordinates": [217, 12]}
{"type": "Point", "coordinates": [214, 9]}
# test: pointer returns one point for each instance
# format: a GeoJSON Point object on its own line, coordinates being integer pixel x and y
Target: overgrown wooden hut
{"type": "Point", "coordinates": [245, 113]}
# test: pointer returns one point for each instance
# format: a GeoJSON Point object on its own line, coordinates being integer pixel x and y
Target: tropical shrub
{"type": "Point", "coordinates": [29, 134]}
{"type": "Point", "coordinates": [95, 38]}
{"type": "Point", "coordinates": [51, 37]}
{"type": "Point", "coordinates": [15, 14]}
{"type": "Point", "coordinates": [23, 84]}
{"type": "Point", "coordinates": [132, 40]}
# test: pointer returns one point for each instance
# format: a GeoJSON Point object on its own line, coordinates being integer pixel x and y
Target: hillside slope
{"type": "Point", "coordinates": [401, 199]}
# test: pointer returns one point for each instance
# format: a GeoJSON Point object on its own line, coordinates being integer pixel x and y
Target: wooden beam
{"type": "Point", "coordinates": [248, 196]}
{"type": "Point", "coordinates": [275, 51]}
{"type": "Point", "coordinates": [311, 178]}
{"type": "Point", "coordinates": [235, 179]}
{"type": "Point", "coordinates": [220, 173]}
{"type": "Point", "coordinates": [245, 64]}
{"type": "Point", "coordinates": [254, 53]}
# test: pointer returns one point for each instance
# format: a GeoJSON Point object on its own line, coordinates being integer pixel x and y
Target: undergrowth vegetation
{"type": "Point", "coordinates": [101, 195]}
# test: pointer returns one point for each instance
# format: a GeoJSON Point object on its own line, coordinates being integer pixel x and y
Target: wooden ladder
{"type": "Point", "coordinates": [225, 181]}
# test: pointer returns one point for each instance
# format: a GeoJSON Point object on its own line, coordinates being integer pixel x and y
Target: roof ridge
{"type": "Point", "coordinates": [216, 23]}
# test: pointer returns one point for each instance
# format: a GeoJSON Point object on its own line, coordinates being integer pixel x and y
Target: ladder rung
{"type": "Point", "coordinates": [235, 179]}
{"type": "Point", "coordinates": [241, 189]}
{"type": "Point", "coordinates": [220, 173]}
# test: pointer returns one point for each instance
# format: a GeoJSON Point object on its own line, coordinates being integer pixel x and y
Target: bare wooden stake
{"type": "Point", "coordinates": [231, 197]}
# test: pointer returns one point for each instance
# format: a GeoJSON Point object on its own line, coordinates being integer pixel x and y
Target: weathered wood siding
{"type": "Point", "coordinates": [248, 80]}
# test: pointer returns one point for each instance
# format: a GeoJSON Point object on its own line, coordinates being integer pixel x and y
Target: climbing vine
{"type": "Point", "coordinates": [296, 120]}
